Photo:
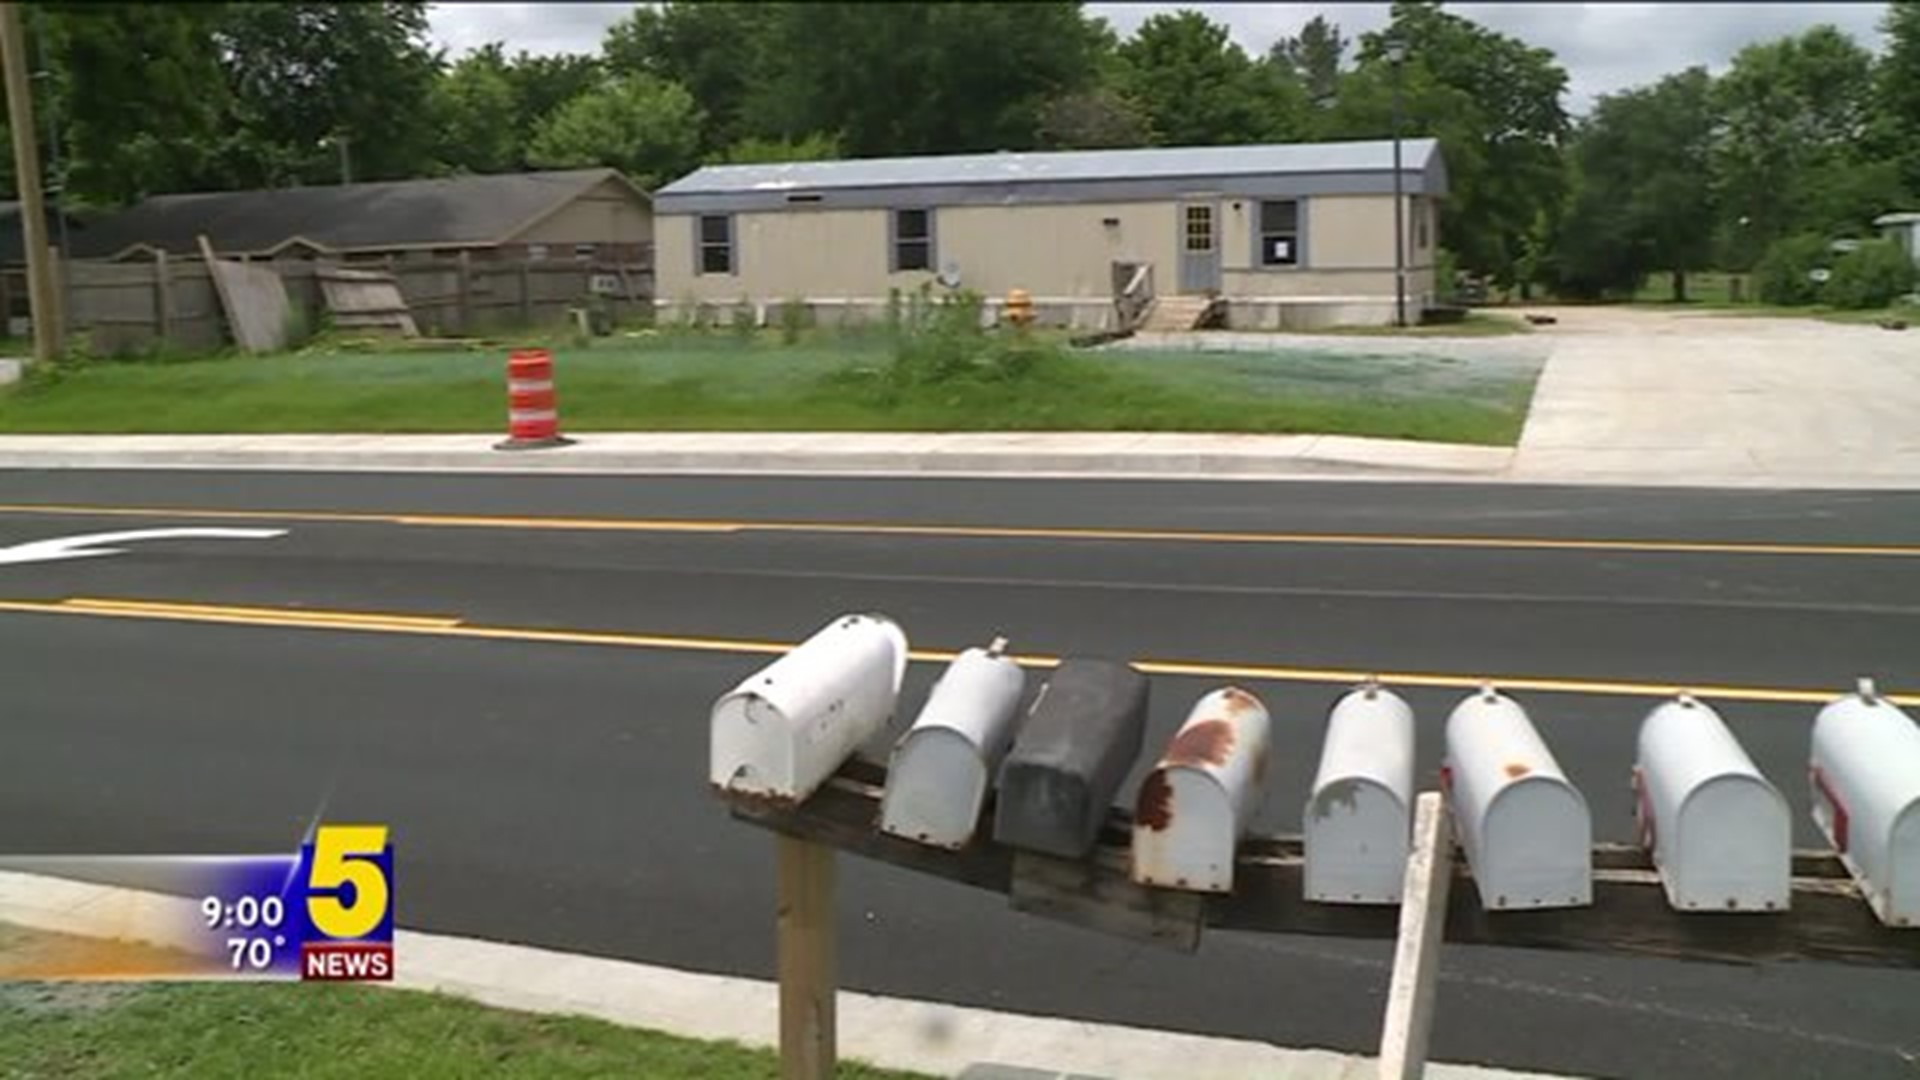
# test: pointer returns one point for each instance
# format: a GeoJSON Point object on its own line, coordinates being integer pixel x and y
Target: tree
{"type": "Point", "coordinates": [646, 127]}
{"type": "Point", "coordinates": [1500, 116]}
{"type": "Point", "coordinates": [139, 92]}
{"type": "Point", "coordinates": [1314, 56]}
{"type": "Point", "coordinates": [479, 114]}
{"type": "Point", "coordinates": [1199, 89]}
{"type": "Point", "coordinates": [1896, 119]}
{"type": "Point", "coordinates": [921, 78]}
{"type": "Point", "coordinates": [815, 147]}
{"type": "Point", "coordinates": [1794, 114]}
{"type": "Point", "coordinates": [1094, 119]}
{"type": "Point", "coordinates": [1642, 201]}
{"type": "Point", "coordinates": [541, 84]}
{"type": "Point", "coordinates": [718, 51]}
{"type": "Point", "coordinates": [304, 76]}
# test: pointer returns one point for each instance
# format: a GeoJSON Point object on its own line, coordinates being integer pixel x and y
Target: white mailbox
{"type": "Point", "coordinates": [1194, 805]}
{"type": "Point", "coordinates": [941, 768]}
{"type": "Point", "coordinates": [1719, 833]}
{"type": "Point", "coordinates": [785, 729]}
{"type": "Point", "coordinates": [1525, 828]}
{"type": "Point", "coordinates": [1358, 816]}
{"type": "Point", "coordinates": [1866, 798]}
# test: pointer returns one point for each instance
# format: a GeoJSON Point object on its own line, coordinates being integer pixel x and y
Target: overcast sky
{"type": "Point", "coordinates": [1604, 47]}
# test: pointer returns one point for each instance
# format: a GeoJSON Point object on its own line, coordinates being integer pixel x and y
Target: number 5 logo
{"type": "Point", "coordinates": [345, 856]}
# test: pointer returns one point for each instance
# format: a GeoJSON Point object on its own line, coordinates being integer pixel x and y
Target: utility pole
{"type": "Point", "coordinates": [1397, 55]}
{"type": "Point", "coordinates": [26, 167]}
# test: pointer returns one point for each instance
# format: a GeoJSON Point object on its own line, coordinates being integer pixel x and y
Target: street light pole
{"type": "Point", "coordinates": [1396, 55]}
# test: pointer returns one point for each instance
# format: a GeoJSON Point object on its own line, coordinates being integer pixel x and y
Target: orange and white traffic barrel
{"type": "Point", "coordinates": [533, 412]}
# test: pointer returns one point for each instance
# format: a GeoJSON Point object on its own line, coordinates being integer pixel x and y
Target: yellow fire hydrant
{"type": "Point", "coordinates": [1019, 309]}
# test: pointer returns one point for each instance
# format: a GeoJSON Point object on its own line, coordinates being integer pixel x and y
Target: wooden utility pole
{"type": "Point", "coordinates": [26, 168]}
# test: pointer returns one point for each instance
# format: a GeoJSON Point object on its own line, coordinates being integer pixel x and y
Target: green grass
{"type": "Point", "coordinates": [1476, 324]}
{"type": "Point", "coordinates": [725, 382]}
{"type": "Point", "coordinates": [216, 1030]}
{"type": "Point", "coordinates": [1712, 292]}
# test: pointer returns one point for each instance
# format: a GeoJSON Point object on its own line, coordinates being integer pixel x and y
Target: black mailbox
{"type": "Point", "coordinates": [1080, 739]}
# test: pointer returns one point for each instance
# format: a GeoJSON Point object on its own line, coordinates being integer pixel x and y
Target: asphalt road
{"type": "Point", "coordinates": [553, 793]}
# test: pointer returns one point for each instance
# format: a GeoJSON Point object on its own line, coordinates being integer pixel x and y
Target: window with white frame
{"type": "Point", "coordinates": [1422, 224]}
{"type": "Point", "coordinates": [715, 236]}
{"type": "Point", "coordinates": [912, 240]}
{"type": "Point", "coordinates": [1280, 232]}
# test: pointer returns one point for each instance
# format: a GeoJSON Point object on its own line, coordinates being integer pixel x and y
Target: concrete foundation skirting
{"type": "Point", "coordinates": [1066, 312]}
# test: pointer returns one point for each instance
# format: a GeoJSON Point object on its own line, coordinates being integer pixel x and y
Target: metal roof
{"type": "Point", "coordinates": [1903, 217]}
{"type": "Point", "coordinates": [454, 211]}
{"type": "Point", "coordinates": [1059, 166]}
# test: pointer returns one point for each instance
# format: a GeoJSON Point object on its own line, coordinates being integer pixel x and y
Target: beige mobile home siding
{"type": "Point", "coordinates": [1049, 250]}
{"type": "Point", "coordinates": [1060, 250]}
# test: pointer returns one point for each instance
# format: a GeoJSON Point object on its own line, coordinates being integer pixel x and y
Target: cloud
{"type": "Point", "coordinates": [1604, 46]}
{"type": "Point", "coordinates": [536, 28]}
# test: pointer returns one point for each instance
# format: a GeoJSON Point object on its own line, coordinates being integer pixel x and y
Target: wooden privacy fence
{"type": "Point", "coordinates": [131, 306]}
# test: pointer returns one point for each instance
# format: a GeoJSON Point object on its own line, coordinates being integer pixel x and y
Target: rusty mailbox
{"type": "Point", "coordinates": [788, 726]}
{"type": "Point", "coordinates": [1079, 741]}
{"type": "Point", "coordinates": [1525, 828]}
{"type": "Point", "coordinates": [1359, 816]}
{"type": "Point", "coordinates": [1718, 832]}
{"type": "Point", "coordinates": [1865, 771]}
{"type": "Point", "coordinates": [942, 767]}
{"type": "Point", "coordinates": [1194, 805]}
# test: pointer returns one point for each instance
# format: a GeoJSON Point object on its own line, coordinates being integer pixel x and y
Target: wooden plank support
{"type": "Point", "coordinates": [1828, 920]}
{"type": "Point", "coordinates": [1416, 958]}
{"type": "Point", "coordinates": [808, 980]}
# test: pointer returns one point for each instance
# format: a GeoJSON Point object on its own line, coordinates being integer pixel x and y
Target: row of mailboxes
{"type": "Point", "coordinates": [1717, 830]}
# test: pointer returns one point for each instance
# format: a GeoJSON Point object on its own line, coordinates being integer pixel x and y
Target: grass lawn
{"type": "Point", "coordinates": [82, 1030]}
{"type": "Point", "coordinates": [722, 382]}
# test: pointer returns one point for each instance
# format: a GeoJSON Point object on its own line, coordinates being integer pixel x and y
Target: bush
{"type": "Point", "coordinates": [744, 318]}
{"type": "Point", "coordinates": [794, 320]}
{"type": "Point", "coordinates": [1872, 275]}
{"type": "Point", "coordinates": [1446, 277]}
{"type": "Point", "coordinates": [942, 342]}
{"type": "Point", "coordinates": [1785, 273]}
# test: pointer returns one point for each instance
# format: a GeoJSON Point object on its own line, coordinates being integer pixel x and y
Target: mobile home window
{"type": "Point", "coordinates": [912, 240]}
{"type": "Point", "coordinates": [1280, 233]}
{"type": "Point", "coordinates": [716, 244]}
{"type": "Point", "coordinates": [1422, 212]}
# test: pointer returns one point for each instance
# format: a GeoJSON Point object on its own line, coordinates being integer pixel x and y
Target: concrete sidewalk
{"type": "Point", "coordinates": [1156, 455]}
{"type": "Point", "coordinates": [897, 1033]}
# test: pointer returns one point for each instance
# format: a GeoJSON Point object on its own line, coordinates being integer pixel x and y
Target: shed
{"type": "Point", "coordinates": [581, 213]}
{"type": "Point", "coordinates": [1287, 234]}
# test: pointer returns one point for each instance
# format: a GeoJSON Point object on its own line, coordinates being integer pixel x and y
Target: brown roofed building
{"type": "Point", "coordinates": [592, 214]}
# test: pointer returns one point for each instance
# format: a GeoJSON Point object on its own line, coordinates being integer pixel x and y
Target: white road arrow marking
{"type": "Point", "coordinates": [87, 546]}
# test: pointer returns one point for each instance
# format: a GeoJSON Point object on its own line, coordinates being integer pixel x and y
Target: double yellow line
{"type": "Point", "coordinates": [453, 627]}
{"type": "Point", "coordinates": [991, 532]}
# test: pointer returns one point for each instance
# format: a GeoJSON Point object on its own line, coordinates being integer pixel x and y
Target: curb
{"type": "Point", "coordinates": [1103, 456]}
{"type": "Point", "coordinates": [922, 1036]}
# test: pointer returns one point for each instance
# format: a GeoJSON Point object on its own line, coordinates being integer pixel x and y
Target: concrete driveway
{"type": "Point", "coordinates": [1648, 396]}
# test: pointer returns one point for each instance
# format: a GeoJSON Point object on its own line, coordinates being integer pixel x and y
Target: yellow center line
{"type": "Point", "coordinates": [438, 626]}
{"type": "Point", "coordinates": [995, 532]}
{"type": "Point", "coordinates": [353, 618]}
